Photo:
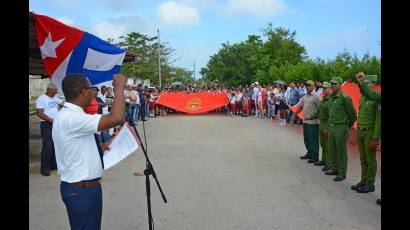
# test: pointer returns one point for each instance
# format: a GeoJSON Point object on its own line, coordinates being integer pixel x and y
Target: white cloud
{"type": "Point", "coordinates": [174, 14]}
{"type": "Point", "coordinates": [116, 27]}
{"type": "Point", "coordinates": [67, 21]}
{"type": "Point", "coordinates": [107, 30]}
{"type": "Point", "coordinates": [260, 8]}
{"type": "Point", "coordinates": [112, 4]}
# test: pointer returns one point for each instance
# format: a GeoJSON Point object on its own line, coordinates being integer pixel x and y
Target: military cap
{"type": "Point", "coordinates": [326, 84]}
{"type": "Point", "coordinates": [336, 80]}
{"type": "Point", "coordinates": [371, 78]}
{"type": "Point", "coordinates": [310, 82]}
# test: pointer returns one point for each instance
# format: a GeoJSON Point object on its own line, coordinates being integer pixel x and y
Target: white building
{"type": "Point", "coordinates": [137, 80]}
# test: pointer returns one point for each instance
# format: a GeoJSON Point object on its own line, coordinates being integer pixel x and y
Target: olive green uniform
{"type": "Point", "coordinates": [369, 93]}
{"type": "Point", "coordinates": [323, 115]}
{"type": "Point", "coordinates": [369, 122]}
{"type": "Point", "coordinates": [342, 116]}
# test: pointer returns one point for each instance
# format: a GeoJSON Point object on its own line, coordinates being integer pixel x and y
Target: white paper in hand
{"type": "Point", "coordinates": [122, 146]}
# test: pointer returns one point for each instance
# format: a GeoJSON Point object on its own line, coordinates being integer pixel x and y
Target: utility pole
{"type": "Point", "coordinates": [159, 61]}
{"type": "Point", "coordinates": [194, 72]}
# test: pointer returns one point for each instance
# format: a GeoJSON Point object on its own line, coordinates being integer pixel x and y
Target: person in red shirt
{"type": "Point", "coordinates": [264, 105]}
{"type": "Point", "coordinates": [246, 104]}
{"type": "Point", "coordinates": [92, 108]}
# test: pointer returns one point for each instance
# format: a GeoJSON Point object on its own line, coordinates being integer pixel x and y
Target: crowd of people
{"type": "Point", "coordinates": [253, 100]}
{"type": "Point", "coordinates": [328, 117]}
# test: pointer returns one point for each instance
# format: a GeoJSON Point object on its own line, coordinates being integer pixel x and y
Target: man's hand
{"type": "Point", "coordinates": [373, 144]}
{"type": "Point", "coordinates": [360, 77]}
{"type": "Point", "coordinates": [104, 146]}
{"type": "Point", "coordinates": [325, 132]}
{"type": "Point", "coordinates": [292, 118]}
{"type": "Point", "coordinates": [119, 80]}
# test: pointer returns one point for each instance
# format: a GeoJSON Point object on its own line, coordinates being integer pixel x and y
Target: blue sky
{"type": "Point", "coordinates": [196, 28]}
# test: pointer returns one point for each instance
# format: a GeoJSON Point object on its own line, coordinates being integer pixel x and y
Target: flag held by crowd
{"type": "Point", "coordinates": [65, 49]}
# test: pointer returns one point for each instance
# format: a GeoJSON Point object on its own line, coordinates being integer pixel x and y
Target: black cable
{"type": "Point", "coordinates": [145, 138]}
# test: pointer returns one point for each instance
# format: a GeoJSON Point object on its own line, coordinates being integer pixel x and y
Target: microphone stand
{"type": "Point", "coordinates": [149, 170]}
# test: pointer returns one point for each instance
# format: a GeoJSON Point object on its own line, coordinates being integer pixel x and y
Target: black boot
{"type": "Point", "coordinates": [304, 157]}
{"type": "Point", "coordinates": [320, 163]}
{"type": "Point", "coordinates": [326, 168]}
{"type": "Point", "coordinates": [312, 161]}
{"type": "Point", "coordinates": [331, 173]}
{"type": "Point", "coordinates": [366, 188]}
{"type": "Point", "coordinates": [358, 185]}
{"type": "Point", "coordinates": [339, 178]}
{"type": "Point", "coordinates": [379, 201]}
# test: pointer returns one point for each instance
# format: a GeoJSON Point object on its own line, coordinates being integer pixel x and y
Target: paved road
{"type": "Point", "coordinates": [220, 172]}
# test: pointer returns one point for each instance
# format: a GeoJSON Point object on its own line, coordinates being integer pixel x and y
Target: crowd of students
{"type": "Point", "coordinates": [270, 101]}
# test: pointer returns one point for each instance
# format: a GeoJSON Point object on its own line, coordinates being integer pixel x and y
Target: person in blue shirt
{"type": "Point", "coordinates": [294, 98]}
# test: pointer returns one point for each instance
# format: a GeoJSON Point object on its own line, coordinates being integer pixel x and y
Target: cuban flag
{"type": "Point", "coordinates": [65, 49]}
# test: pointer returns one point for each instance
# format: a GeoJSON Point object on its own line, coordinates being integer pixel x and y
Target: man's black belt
{"type": "Point", "coordinates": [365, 129]}
{"type": "Point", "coordinates": [333, 124]}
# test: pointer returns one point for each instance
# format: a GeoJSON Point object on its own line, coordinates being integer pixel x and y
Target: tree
{"type": "Point", "coordinates": [276, 56]}
{"type": "Point", "coordinates": [146, 65]}
{"type": "Point", "coordinates": [254, 59]}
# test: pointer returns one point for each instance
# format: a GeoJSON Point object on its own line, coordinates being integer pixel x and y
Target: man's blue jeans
{"type": "Point", "coordinates": [83, 204]}
{"type": "Point", "coordinates": [147, 109]}
{"type": "Point", "coordinates": [105, 136]}
{"type": "Point", "coordinates": [126, 114]}
{"type": "Point", "coordinates": [137, 112]}
{"type": "Point", "coordinates": [131, 114]}
{"type": "Point", "coordinates": [270, 112]}
{"type": "Point", "coordinates": [289, 115]}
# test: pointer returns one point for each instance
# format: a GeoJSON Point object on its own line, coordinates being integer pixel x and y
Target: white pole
{"type": "Point", "coordinates": [159, 61]}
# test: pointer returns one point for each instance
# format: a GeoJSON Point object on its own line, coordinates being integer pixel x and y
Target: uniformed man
{"type": "Point", "coordinates": [342, 117]}
{"type": "Point", "coordinates": [310, 105]}
{"type": "Point", "coordinates": [323, 115]}
{"type": "Point", "coordinates": [367, 92]}
{"type": "Point", "coordinates": [366, 133]}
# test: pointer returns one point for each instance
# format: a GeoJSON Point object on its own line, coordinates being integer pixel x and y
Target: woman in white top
{"type": "Point", "coordinates": [281, 97]}
{"type": "Point", "coordinates": [259, 103]}
{"type": "Point", "coordinates": [239, 102]}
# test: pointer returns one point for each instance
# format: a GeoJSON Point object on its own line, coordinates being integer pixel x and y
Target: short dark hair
{"type": "Point", "coordinates": [73, 84]}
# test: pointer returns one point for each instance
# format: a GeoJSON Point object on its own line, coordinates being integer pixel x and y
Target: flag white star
{"type": "Point", "coordinates": [48, 49]}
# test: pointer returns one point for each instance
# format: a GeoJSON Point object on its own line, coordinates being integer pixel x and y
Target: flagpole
{"type": "Point", "coordinates": [159, 60]}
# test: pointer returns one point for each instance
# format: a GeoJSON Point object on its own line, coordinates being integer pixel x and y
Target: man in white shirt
{"type": "Point", "coordinates": [137, 103]}
{"type": "Point", "coordinates": [78, 159]}
{"type": "Point", "coordinates": [132, 109]}
{"type": "Point", "coordinates": [47, 106]}
{"type": "Point", "coordinates": [254, 95]}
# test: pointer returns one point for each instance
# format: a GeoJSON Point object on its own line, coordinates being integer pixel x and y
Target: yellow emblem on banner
{"type": "Point", "coordinates": [194, 104]}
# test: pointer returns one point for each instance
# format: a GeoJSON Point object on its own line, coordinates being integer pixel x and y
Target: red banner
{"type": "Point", "coordinates": [193, 103]}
